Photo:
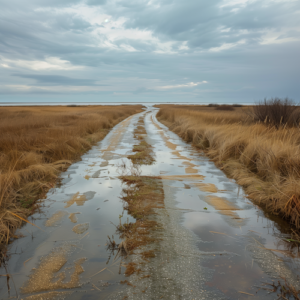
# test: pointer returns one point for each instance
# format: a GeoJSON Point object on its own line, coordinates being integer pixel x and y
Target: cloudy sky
{"type": "Point", "coordinates": [231, 51]}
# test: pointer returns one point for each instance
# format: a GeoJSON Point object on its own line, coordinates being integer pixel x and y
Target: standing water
{"type": "Point", "coordinates": [213, 243]}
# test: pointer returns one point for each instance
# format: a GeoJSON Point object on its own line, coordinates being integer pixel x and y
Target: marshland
{"type": "Point", "coordinates": [166, 202]}
{"type": "Point", "coordinates": [36, 144]}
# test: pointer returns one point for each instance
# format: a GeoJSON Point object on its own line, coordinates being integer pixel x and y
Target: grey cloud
{"type": "Point", "coordinates": [199, 22]}
{"type": "Point", "coordinates": [140, 90]}
{"type": "Point", "coordinates": [270, 70]}
{"type": "Point", "coordinates": [95, 2]}
{"type": "Point", "coordinates": [59, 80]}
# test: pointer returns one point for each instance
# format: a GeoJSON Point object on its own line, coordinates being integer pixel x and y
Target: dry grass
{"type": "Point", "coordinates": [263, 159]}
{"type": "Point", "coordinates": [141, 196]}
{"type": "Point", "coordinates": [143, 151]}
{"type": "Point", "coordinates": [283, 289]}
{"type": "Point", "coordinates": [36, 143]}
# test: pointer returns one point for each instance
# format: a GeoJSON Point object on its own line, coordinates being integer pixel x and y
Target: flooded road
{"type": "Point", "coordinates": [213, 243]}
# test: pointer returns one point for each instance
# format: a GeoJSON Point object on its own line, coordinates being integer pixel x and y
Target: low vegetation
{"type": "Point", "coordinates": [141, 195]}
{"type": "Point", "coordinates": [143, 151]}
{"type": "Point", "coordinates": [36, 143]}
{"type": "Point", "coordinates": [263, 157]}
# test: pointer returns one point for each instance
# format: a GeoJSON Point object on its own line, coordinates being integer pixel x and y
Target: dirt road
{"type": "Point", "coordinates": [212, 242]}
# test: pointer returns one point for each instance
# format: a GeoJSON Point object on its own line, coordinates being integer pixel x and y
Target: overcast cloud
{"type": "Point", "coordinates": [232, 51]}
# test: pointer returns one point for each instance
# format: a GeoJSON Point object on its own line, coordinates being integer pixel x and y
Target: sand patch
{"type": "Point", "coordinates": [177, 153]}
{"type": "Point", "coordinates": [190, 170]}
{"type": "Point", "coordinates": [73, 217]}
{"type": "Point", "coordinates": [182, 177]}
{"type": "Point", "coordinates": [87, 177]}
{"type": "Point", "coordinates": [55, 218]}
{"type": "Point", "coordinates": [81, 228]}
{"type": "Point", "coordinates": [206, 187]}
{"type": "Point", "coordinates": [46, 276]}
{"type": "Point", "coordinates": [189, 164]}
{"type": "Point", "coordinates": [78, 199]}
{"type": "Point", "coordinates": [171, 145]}
{"type": "Point", "coordinates": [224, 206]}
{"type": "Point", "coordinates": [220, 203]}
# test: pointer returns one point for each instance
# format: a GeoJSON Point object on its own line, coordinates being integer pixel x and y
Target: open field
{"type": "Point", "coordinates": [264, 160]}
{"type": "Point", "coordinates": [36, 143]}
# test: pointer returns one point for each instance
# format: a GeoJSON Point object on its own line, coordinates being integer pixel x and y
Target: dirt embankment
{"type": "Point", "coordinates": [37, 143]}
{"type": "Point", "coordinates": [264, 160]}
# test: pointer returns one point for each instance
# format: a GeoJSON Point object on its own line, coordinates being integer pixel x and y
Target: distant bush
{"type": "Point", "coordinates": [224, 107]}
{"type": "Point", "coordinates": [213, 105]}
{"type": "Point", "coordinates": [277, 112]}
{"type": "Point", "coordinates": [237, 105]}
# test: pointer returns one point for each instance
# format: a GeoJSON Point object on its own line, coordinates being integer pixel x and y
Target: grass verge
{"type": "Point", "coordinates": [263, 159]}
{"type": "Point", "coordinates": [36, 144]}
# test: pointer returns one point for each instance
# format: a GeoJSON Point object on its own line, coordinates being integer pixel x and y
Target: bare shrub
{"type": "Point", "coordinates": [276, 112]}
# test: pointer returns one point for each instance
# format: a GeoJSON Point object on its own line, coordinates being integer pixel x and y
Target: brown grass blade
{"type": "Point", "coordinates": [25, 220]}
{"type": "Point", "coordinates": [98, 272]}
{"type": "Point", "coordinates": [246, 293]}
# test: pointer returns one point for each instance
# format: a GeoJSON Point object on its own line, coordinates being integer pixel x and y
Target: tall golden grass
{"type": "Point", "coordinates": [36, 143]}
{"type": "Point", "coordinates": [263, 159]}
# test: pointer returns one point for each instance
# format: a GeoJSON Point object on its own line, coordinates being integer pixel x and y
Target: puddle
{"type": "Point", "coordinates": [212, 243]}
{"type": "Point", "coordinates": [220, 203]}
{"type": "Point", "coordinates": [79, 199]}
{"type": "Point", "coordinates": [206, 187]}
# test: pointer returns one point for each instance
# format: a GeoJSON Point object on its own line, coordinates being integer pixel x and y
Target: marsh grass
{"type": "Point", "coordinates": [141, 196]}
{"type": "Point", "coordinates": [36, 144]}
{"type": "Point", "coordinates": [143, 151]}
{"type": "Point", "coordinates": [264, 160]}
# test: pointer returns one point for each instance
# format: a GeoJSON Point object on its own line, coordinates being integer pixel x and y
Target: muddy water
{"type": "Point", "coordinates": [214, 243]}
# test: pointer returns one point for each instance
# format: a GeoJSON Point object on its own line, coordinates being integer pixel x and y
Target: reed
{"type": "Point", "coordinates": [264, 160]}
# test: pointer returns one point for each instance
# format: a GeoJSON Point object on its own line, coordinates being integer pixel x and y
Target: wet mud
{"type": "Point", "coordinates": [171, 226]}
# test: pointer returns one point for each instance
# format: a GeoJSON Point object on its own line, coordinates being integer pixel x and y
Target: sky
{"type": "Point", "coordinates": [191, 51]}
